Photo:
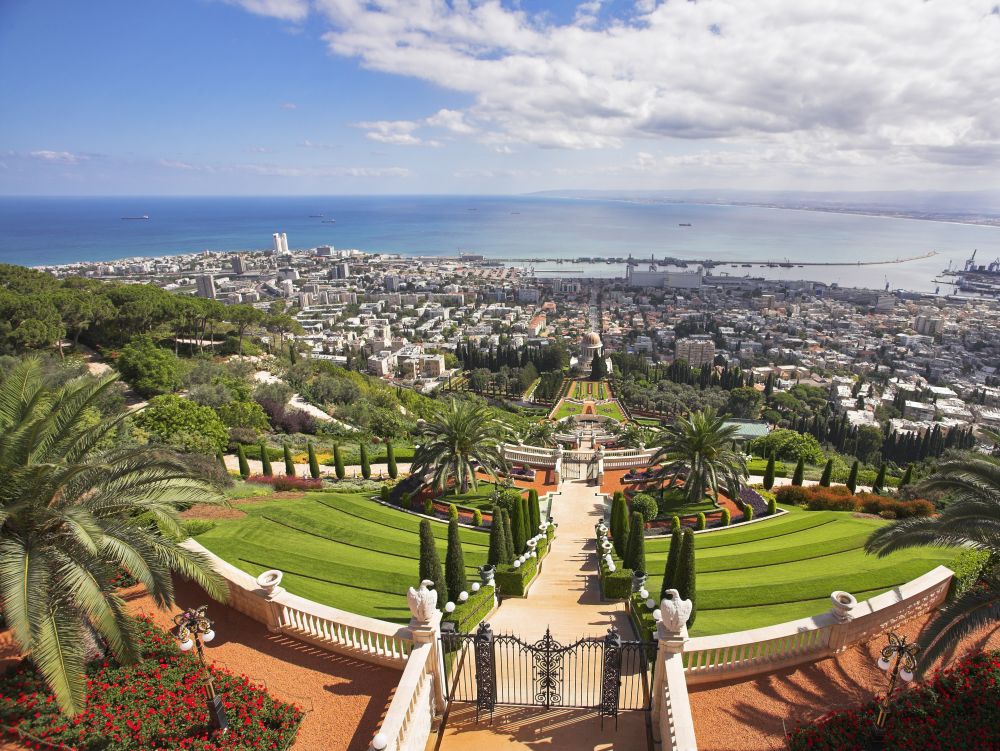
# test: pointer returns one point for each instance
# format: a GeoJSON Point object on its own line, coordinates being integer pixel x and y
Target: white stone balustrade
{"type": "Point", "coordinates": [410, 717]}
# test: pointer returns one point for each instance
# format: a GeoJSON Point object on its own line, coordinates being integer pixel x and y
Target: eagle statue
{"type": "Point", "coordinates": [675, 611]}
{"type": "Point", "coordinates": [422, 601]}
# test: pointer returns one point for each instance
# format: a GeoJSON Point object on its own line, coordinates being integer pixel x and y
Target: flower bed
{"type": "Point", "coordinates": [958, 709]}
{"type": "Point", "coordinates": [839, 498]}
{"type": "Point", "coordinates": [157, 703]}
{"type": "Point", "coordinates": [753, 499]}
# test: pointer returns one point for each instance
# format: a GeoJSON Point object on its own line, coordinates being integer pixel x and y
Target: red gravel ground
{"type": "Point", "coordinates": [753, 715]}
{"type": "Point", "coordinates": [344, 699]}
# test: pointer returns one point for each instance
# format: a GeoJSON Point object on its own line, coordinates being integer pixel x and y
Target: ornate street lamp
{"type": "Point", "coordinates": [899, 660]}
{"type": "Point", "coordinates": [194, 630]}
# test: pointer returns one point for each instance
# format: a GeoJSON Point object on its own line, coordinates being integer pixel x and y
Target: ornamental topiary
{"type": "Point", "coordinates": [879, 483]}
{"type": "Point", "coordinates": [289, 462]}
{"type": "Point", "coordinates": [338, 462]}
{"type": "Point", "coordinates": [799, 474]}
{"type": "Point", "coordinates": [726, 517]}
{"type": "Point", "coordinates": [617, 500]}
{"type": "Point", "coordinates": [429, 507]}
{"type": "Point", "coordinates": [673, 560]}
{"type": "Point", "coordinates": [384, 494]}
{"type": "Point", "coordinates": [477, 517]}
{"type": "Point", "coordinates": [907, 476]}
{"type": "Point", "coordinates": [265, 461]}
{"type": "Point", "coordinates": [824, 481]}
{"type": "Point", "coordinates": [430, 564]}
{"type": "Point", "coordinates": [241, 457]}
{"type": "Point", "coordinates": [313, 462]}
{"type": "Point", "coordinates": [390, 461]}
{"type": "Point", "coordinates": [454, 564]}
{"type": "Point", "coordinates": [769, 473]}
{"type": "Point", "coordinates": [675, 524]}
{"type": "Point", "coordinates": [508, 537]}
{"type": "Point", "coordinates": [619, 526]}
{"type": "Point", "coordinates": [645, 504]}
{"type": "Point", "coordinates": [700, 521]}
{"type": "Point", "coordinates": [772, 507]}
{"type": "Point", "coordinates": [686, 583]}
{"type": "Point", "coordinates": [635, 554]}
{"type": "Point", "coordinates": [452, 512]}
{"type": "Point", "coordinates": [535, 512]}
{"type": "Point", "coordinates": [747, 512]}
{"type": "Point", "coordinates": [497, 552]}
{"type": "Point", "coordinates": [517, 526]}
{"type": "Point", "coordinates": [852, 478]}
{"type": "Point", "coordinates": [366, 468]}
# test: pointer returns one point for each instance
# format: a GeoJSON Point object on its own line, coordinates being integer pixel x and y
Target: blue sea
{"type": "Point", "coordinates": [48, 231]}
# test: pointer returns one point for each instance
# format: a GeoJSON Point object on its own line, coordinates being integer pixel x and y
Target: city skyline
{"type": "Point", "coordinates": [337, 97]}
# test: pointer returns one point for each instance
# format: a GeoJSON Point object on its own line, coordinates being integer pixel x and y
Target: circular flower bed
{"type": "Point", "coordinates": [958, 709]}
{"type": "Point", "coordinates": [157, 703]}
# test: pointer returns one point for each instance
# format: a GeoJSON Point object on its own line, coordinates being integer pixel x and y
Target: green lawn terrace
{"type": "Point", "coordinates": [785, 568]}
{"type": "Point", "coordinates": [339, 549]}
{"type": "Point", "coordinates": [596, 390]}
{"type": "Point", "coordinates": [588, 398]}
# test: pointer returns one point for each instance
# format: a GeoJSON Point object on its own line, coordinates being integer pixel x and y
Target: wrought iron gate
{"type": "Point", "coordinates": [604, 674]}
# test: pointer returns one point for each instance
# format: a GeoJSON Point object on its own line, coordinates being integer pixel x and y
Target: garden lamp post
{"type": "Point", "coordinates": [899, 660]}
{"type": "Point", "coordinates": [195, 630]}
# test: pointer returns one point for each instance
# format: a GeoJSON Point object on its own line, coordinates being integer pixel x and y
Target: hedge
{"type": "Point", "coordinates": [839, 498]}
{"type": "Point", "coordinates": [615, 585]}
{"type": "Point", "coordinates": [469, 614]}
{"type": "Point", "coordinates": [513, 582]}
{"type": "Point", "coordinates": [642, 617]}
{"type": "Point", "coordinates": [969, 567]}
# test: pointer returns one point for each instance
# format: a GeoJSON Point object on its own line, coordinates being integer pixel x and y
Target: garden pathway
{"type": "Point", "coordinates": [566, 595]}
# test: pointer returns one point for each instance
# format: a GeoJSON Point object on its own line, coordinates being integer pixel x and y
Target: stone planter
{"type": "Point", "coordinates": [269, 581]}
{"type": "Point", "coordinates": [638, 580]}
{"type": "Point", "coordinates": [843, 604]}
{"type": "Point", "coordinates": [486, 573]}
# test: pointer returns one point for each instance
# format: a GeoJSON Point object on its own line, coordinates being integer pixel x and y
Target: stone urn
{"type": "Point", "coordinates": [486, 573]}
{"type": "Point", "coordinates": [638, 580]}
{"type": "Point", "coordinates": [843, 604]}
{"type": "Point", "coordinates": [532, 544]}
{"type": "Point", "coordinates": [269, 581]}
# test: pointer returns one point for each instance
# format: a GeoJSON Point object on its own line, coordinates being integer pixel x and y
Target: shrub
{"type": "Point", "coordinates": [313, 462]}
{"type": "Point", "coordinates": [452, 512]}
{"type": "Point", "coordinates": [195, 527]}
{"type": "Point", "coordinates": [513, 582]}
{"type": "Point", "coordinates": [265, 460]}
{"type": "Point", "coordinates": [617, 585]}
{"type": "Point", "coordinates": [430, 564]}
{"type": "Point", "coordinates": [454, 564]}
{"type": "Point", "coordinates": [769, 473]}
{"type": "Point", "coordinates": [384, 494]}
{"type": "Point", "coordinates": [725, 517]}
{"type": "Point", "coordinates": [509, 498]}
{"type": "Point", "coordinates": [798, 475]}
{"type": "Point", "coordinates": [182, 424]}
{"type": "Point", "coordinates": [469, 614]}
{"type": "Point", "coordinates": [670, 567]}
{"type": "Point", "coordinates": [686, 578]}
{"type": "Point", "coordinates": [619, 527]}
{"type": "Point", "coordinates": [852, 478]}
{"type": "Point", "coordinates": [675, 524]}
{"type": "Point", "coordinates": [508, 537]}
{"type": "Point", "coordinates": [824, 480]}
{"type": "Point", "coordinates": [429, 507]}
{"type": "Point", "coordinates": [289, 462]}
{"type": "Point", "coordinates": [907, 476]}
{"type": "Point", "coordinates": [497, 553]}
{"type": "Point", "coordinates": [635, 556]}
{"type": "Point", "coordinates": [792, 494]}
{"type": "Point", "coordinates": [390, 461]}
{"type": "Point", "coordinates": [747, 513]}
{"type": "Point", "coordinates": [700, 521]}
{"type": "Point", "coordinates": [772, 507]}
{"type": "Point", "coordinates": [150, 369]}
{"type": "Point", "coordinates": [534, 513]}
{"type": "Point", "coordinates": [517, 526]}
{"type": "Point", "coordinates": [338, 462]}
{"type": "Point", "coordinates": [879, 483]}
{"type": "Point", "coordinates": [241, 456]}
{"type": "Point", "coordinates": [291, 482]}
{"type": "Point", "coordinates": [477, 517]}
{"type": "Point", "coordinates": [366, 467]}
{"type": "Point", "coordinates": [645, 504]}
{"type": "Point", "coordinates": [969, 567]}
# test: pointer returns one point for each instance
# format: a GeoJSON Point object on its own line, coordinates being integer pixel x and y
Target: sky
{"type": "Point", "coordinates": [271, 97]}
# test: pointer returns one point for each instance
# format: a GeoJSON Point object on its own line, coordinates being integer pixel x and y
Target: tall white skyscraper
{"type": "Point", "coordinates": [280, 240]}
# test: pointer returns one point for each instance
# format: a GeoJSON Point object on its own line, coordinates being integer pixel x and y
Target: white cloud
{"type": "Point", "coordinates": [307, 144]}
{"type": "Point", "coordinates": [289, 106]}
{"type": "Point", "coordinates": [888, 80]}
{"type": "Point", "coordinates": [278, 170]}
{"type": "Point", "coordinates": [397, 132]}
{"type": "Point", "coordinates": [452, 120]}
{"type": "Point", "coordinates": [59, 157]}
{"type": "Point", "coordinates": [286, 10]}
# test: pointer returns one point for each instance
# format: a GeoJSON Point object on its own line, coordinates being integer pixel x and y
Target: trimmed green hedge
{"type": "Point", "coordinates": [968, 567]}
{"type": "Point", "coordinates": [642, 618]}
{"type": "Point", "coordinates": [513, 582]}
{"type": "Point", "coordinates": [616, 585]}
{"type": "Point", "coordinates": [469, 614]}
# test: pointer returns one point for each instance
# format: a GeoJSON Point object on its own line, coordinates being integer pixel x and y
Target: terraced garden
{"type": "Point", "coordinates": [779, 570]}
{"type": "Point", "coordinates": [339, 549]}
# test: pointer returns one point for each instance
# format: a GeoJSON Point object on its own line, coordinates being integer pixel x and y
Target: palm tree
{"type": "Point", "coordinates": [461, 433]}
{"type": "Point", "coordinates": [971, 520]}
{"type": "Point", "coordinates": [73, 515]}
{"type": "Point", "coordinates": [541, 433]}
{"type": "Point", "coordinates": [698, 450]}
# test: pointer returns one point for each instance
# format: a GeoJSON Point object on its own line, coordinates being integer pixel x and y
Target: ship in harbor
{"type": "Point", "coordinates": [136, 218]}
{"type": "Point", "coordinates": [975, 278]}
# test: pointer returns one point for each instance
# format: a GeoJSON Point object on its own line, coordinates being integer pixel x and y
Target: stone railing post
{"type": "Point", "coordinates": [425, 628]}
{"type": "Point", "coordinates": [269, 583]}
{"type": "Point", "coordinates": [673, 727]}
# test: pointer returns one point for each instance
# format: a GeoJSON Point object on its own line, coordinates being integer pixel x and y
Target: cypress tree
{"type": "Point", "coordinates": [242, 457]}
{"type": "Point", "coordinates": [769, 473]}
{"type": "Point", "coordinates": [313, 461]}
{"type": "Point", "coordinates": [620, 538]}
{"type": "Point", "coordinates": [222, 461]}
{"type": "Point", "coordinates": [338, 462]}
{"type": "Point", "coordinates": [824, 481]}
{"type": "Point", "coordinates": [498, 549]}
{"type": "Point", "coordinates": [265, 461]}
{"type": "Point", "coordinates": [366, 468]}
{"type": "Point", "coordinates": [686, 574]}
{"type": "Point", "coordinates": [879, 485]}
{"type": "Point", "coordinates": [517, 527]}
{"type": "Point", "coordinates": [800, 468]}
{"type": "Point", "coordinates": [536, 512]}
{"type": "Point", "coordinates": [289, 463]}
{"type": "Point", "coordinates": [508, 538]}
{"type": "Point", "coordinates": [526, 520]}
{"type": "Point", "coordinates": [390, 461]}
{"type": "Point", "coordinates": [430, 564]}
{"type": "Point", "coordinates": [454, 564]}
{"type": "Point", "coordinates": [617, 500]}
{"type": "Point", "coordinates": [635, 555]}
{"type": "Point", "coordinates": [907, 476]}
{"type": "Point", "coordinates": [673, 559]}
{"type": "Point", "coordinates": [852, 478]}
